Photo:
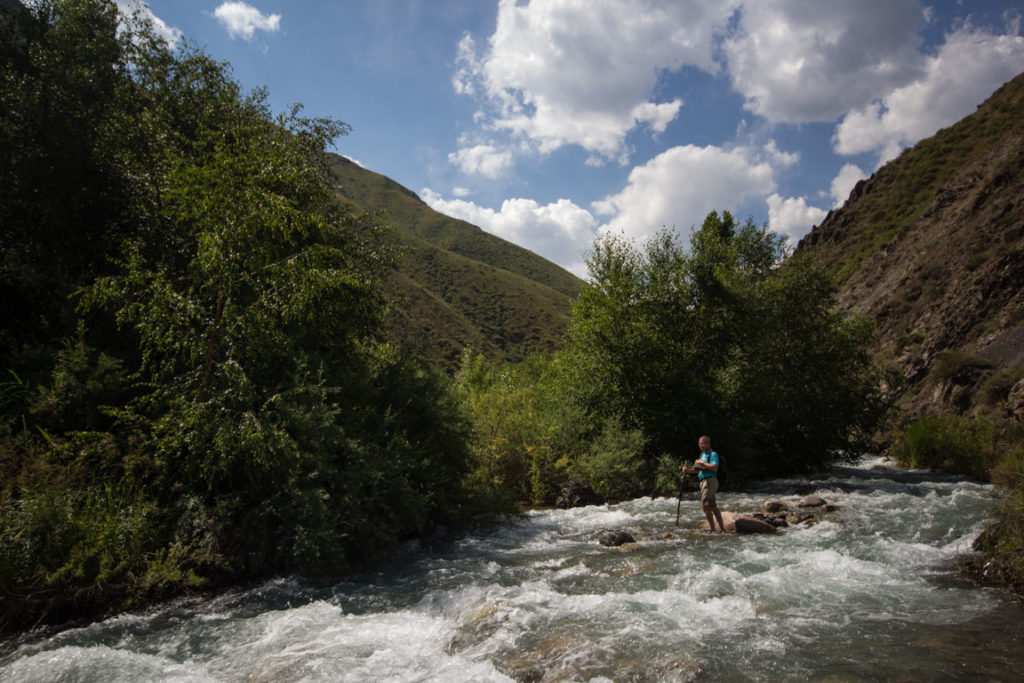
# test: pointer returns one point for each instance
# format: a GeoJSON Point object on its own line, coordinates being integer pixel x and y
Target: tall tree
{"type": "Point", "coordinates": [266, 428]}
{"type": "Point", "coordinates": [63, 189]}
{"type": "Point", "coordinates": [727, 337]}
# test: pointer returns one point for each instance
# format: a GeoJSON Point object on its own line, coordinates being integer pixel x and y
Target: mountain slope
{"type": "Point", "coordinates": [932, 247]}
{"type": "Point", "coordinates": [456, 285]}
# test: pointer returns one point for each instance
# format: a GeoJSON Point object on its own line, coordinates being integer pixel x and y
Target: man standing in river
{"type": "Point", "coordinates": [706, 469]}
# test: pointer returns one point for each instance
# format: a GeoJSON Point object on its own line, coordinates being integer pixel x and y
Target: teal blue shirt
{"type": "Point", "coordinates": [711, 458]}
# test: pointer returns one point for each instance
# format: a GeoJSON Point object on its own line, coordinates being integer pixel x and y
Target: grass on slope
{"type": "Point", "coordinates": [406, 212]}
{"type": "Point", "coordinates": [456, 285]}
{"type": "Point", "coordinates": [901, 191]}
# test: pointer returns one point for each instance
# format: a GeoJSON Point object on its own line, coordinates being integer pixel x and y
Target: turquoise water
{"type": "Point", "coordinates": [868, 593]}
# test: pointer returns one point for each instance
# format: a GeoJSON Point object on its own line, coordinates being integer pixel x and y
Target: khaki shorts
{"type": "Point", "coordinates": [708, 491]}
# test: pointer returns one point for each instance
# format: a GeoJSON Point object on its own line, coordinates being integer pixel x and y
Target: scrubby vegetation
{"type": "Point", "coordinates": [999, 556]}
{"type": "Point", "coordinates": [725, 336]}
{"type": "Point", "coordinates": [989, 447]}
{"type": "Point", "coordinates": [196, 388]}
{"type": "Point", "coordinates": [948, 443]}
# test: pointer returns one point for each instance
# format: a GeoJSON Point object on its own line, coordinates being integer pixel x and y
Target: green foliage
{"type": "Point", "coordinates": [627, 358]}
{"type": "Point", "coordinates": [63, 187]}
{"type": "Point", "coordinates": [525, 435]}
{"type": "Point", "coordinates": [84, 382]}
{"type": "Point", "coordinates": [999, 556]}
{"type": "Point", "coordinates": [986, 448]}
{"type": "Point", "coordinates": [730, 338]}
{"type": "Point", "coordinates": [948, 443]}
{"type": "Point", "coordinates": [801, 389]}
{"type": "Point", "coordinates": [950, 364]}
{"type": "Point", "coordinates": [230, 411]}
{"type": "Point", "coordinates": [1008, 474]}
{"type": "Point", "coordinates": [996, 389]}
{"type": "Point", "coordinates": [614, 465]}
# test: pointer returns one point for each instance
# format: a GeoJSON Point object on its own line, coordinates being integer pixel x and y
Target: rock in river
{"type": "Point", "coordinates": [615, 538]}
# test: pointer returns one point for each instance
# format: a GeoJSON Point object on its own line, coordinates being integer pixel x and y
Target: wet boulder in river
{"type": "Point", "coordinates": [613, 538]}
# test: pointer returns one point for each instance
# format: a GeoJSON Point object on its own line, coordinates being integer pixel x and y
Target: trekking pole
{"type": "Point", "coordinates": [679, 500]}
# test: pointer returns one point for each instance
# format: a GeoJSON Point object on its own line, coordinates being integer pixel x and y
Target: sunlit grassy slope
{"type": "Point", "coordinates": [455, 285]}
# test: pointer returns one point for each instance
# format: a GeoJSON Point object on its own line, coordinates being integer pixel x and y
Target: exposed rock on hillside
{"type": "Point", "coordinates": [932, 248]}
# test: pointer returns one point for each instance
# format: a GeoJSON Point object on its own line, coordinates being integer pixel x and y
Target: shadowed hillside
{"type": "Point", "coordinates": [932, 247]}
{"type": "Point", "coordinates": [456, 285]}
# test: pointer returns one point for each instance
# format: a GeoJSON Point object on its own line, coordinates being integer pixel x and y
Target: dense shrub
{"type": "Point", "coordinates": [949, 365]}
{"type": "Point", "coordinates": [230, 412]}
{"type": "Point", "coordinates": [730, 338]}
{"type": "Point", "coordinates": [999, 556]}
{"type": "Point", "coordinates": [996, 389]}
{"type": "Point", "coordinates": [614, 465]}
{"type": "Point", "coordinates": [949, 443]}
{"type": "Point", "coordinates": [527, 437]}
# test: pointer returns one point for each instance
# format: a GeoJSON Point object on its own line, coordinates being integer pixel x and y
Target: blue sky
{"type": "Point", "coordinates": [549, 121]}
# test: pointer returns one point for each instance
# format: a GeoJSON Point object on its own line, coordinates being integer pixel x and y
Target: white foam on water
{"type": "Point", "coordinates": [541, 599]}
{"type": "Point", "coordinates": [99, 663]}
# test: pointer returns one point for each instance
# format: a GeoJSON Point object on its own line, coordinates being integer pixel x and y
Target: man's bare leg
{"type": "Point", "coordinates": [711, 519]}
{"type": "Point", "coordinates": [718, 516]}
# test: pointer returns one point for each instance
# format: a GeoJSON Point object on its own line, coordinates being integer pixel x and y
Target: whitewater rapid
{"type": "Point", "coordinates": [868, 593]}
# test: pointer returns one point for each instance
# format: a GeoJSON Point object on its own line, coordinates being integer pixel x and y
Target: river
{"type": "Point", "coordinates": [868, 593]}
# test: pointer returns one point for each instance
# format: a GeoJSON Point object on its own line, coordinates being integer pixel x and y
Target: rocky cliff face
{"type": "Point", "coordinates": [932, 248]}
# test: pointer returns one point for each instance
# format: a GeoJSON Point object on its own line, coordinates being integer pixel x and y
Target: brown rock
{"type": "Point", "coordinates": [1015, 400]}
{"type": "Point", "coordinates": [751, 525]}
{"type": "Point", "coordinates": [613, 538]}
{"type": "Point", "coordinates": [738, 522]}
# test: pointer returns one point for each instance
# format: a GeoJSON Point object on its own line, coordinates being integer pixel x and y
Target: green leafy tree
{"type": "Point", "coordinates": [627, 357]}
{"type": "Point", "coordinates": [64, 188]}
{"type": "Point", "coordinates": [729, 337]}
{"type": "Point", "coordinates": [802, 389]}
{"type": "Point", "coordinates": [230, 410]}
{"type": "Point", "coordinates": [527, 437]}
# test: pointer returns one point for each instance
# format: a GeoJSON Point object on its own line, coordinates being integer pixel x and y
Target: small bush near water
{"type": "Point", "coordinates": [999, 551]}
{"type": "Point", "coordinates": [947, 443]}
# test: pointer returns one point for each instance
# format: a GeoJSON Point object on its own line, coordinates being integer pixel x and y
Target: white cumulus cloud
{"type": "Point", "coordinates": [969, 66]}
{"type": "Point", "coordinates": [560, 231]}
{"type": "Point", "coordinates": [138, 8]}
{"type": "Point", "coordinates": [792, 217]}
{"type": "Point", "coordinates": [795, 61]}
{"type": "Point", "coordinates": [578, 72]}
{"type": "Point", "coordinates": [243, 20]}
{"type": "Point", "coordinates": [680, 186]}
{"type": "Point", "coordinates": [842, 184]}
{"type": "Point", "coordinates": [486, 160]}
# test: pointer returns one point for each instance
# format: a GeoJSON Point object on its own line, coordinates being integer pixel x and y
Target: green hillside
{"type": "Point", "coordinates": [456, 285]}
{"type": "Point", "coordinates": [932, 248]}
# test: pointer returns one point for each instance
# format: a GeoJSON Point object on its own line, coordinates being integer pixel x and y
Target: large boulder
{"type": "Point", "coordinates": [753, 525]}
{"type": "Point", "coordinates": [742, 523]}
{"type": "Point", "coordinates": [771, 506]}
